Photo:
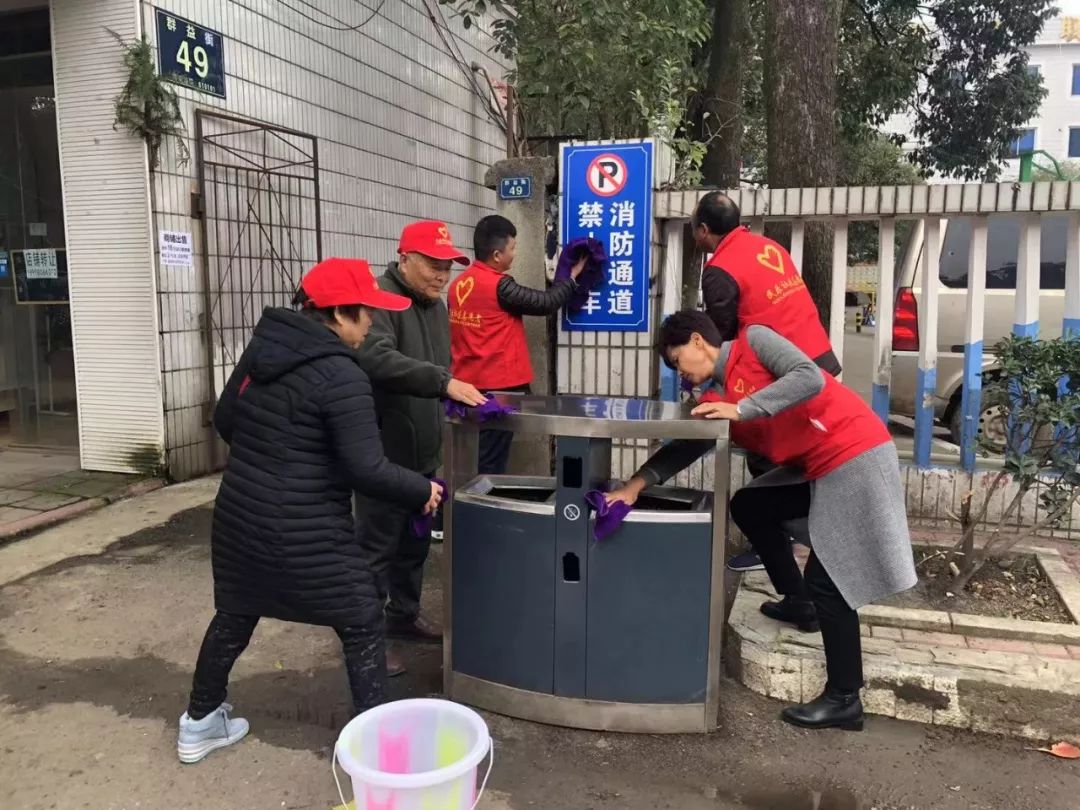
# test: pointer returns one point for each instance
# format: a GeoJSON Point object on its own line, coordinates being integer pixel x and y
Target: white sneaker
{"type": "Point", "coordinates": [199, 737]}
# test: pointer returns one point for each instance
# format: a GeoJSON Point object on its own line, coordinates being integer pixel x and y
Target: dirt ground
{"type": "Point", "coordinates": [96, 654]}
{"type": "Point", "coordinates": [1021, 591]}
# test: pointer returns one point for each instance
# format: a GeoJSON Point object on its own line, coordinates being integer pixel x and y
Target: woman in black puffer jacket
{"type": "Point", "coordinates": [299, 419]}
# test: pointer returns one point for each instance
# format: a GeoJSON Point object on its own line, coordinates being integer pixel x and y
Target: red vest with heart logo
{"type": "Point", "coordinates": [487, 343]}
{"type": "Point", "coordinates": [771, 292]}
{"type": "Point", "coordinates": [818, 435]}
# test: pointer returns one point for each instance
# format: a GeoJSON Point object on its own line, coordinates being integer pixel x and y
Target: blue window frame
{"type": "Point", "coordinates": [1025, 142]}
{"type": "Point", "coordinates": [1074, 142]}
{"type": "Point", "coordinates": [1076, 80]}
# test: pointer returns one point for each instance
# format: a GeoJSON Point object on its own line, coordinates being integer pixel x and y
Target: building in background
{"type": "Point", "coordinates": [127, 291]}
{"type": "Point", "coordinates": [1055, 55]}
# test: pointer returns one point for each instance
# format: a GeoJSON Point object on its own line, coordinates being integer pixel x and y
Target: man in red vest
{"type": "Point", "coordinates": [487, 330]}
{"type": "Point", "coordinates": [751, 279]}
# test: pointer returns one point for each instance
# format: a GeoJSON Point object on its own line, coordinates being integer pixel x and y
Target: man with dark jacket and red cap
{"type": "Point", "coordinates": [407, 357]}
{"type": "Point", "coordinates": [299, 419]}
{"type": "Point", "coordinates": [487, 330]}
{"type": "Point", "coordinates": [750, 280]}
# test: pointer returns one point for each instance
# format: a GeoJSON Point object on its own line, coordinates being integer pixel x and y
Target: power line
{"type": "Point", "coordinates": [494, 113]}
{"type": "Point", "coordinates": [343, 25]}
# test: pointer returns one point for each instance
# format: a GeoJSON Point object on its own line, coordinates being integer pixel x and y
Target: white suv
{"type": "Point", "coordinates": [1003, 240]}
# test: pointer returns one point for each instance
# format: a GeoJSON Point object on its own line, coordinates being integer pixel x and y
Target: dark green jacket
{"type": "Point", "coordinates": [407, 356]}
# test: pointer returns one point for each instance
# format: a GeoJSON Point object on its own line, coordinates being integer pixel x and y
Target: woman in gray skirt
{"type": "Point", "coordinates": [837, 466]}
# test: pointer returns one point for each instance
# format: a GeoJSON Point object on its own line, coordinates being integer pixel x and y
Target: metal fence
{"type": "Point", "coordinates": [958, 236]}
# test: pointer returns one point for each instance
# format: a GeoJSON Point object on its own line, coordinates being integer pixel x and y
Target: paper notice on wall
{"type": "Point", "coordinates": [176, 248]}
{"type": "Point", "coordinates": [39, 229]}
{"type": "Point", "coordinates": [40, 264]}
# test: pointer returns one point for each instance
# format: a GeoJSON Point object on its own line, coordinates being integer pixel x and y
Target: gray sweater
{"type": "Point", "coordinates": [797, 380]}
{"type": "Point", "coordinates": [867, 558]}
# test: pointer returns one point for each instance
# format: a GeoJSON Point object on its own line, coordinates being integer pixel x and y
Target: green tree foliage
{"type": "Point", "coordinates": [977, 90]}
{"type": "Point", "coordinates": [1038, 386]}
{"type": "Point", "coordinates": [585, 67]}
{"type": "Point", "coordinates": [956, 68]}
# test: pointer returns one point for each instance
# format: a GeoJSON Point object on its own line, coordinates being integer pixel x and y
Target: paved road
{"type": "Point", "coordinates": [98, 639]}
{"type": "Point", "coordinates": [859, 375]}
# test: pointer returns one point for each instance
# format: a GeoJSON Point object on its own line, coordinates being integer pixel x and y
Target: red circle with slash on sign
{"type": "Point", "coordinates": [606, 175]}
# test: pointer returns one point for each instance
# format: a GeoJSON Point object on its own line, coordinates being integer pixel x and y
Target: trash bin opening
{"type": "Point", "coordinates": [656, 503]}
{"type": "Point", "coordinates": [530, 494]}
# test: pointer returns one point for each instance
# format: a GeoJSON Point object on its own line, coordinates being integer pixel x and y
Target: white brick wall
{"type": "Point", "coordinates": [401, 136]}
{"type": "Point", "coordinates": [107, 218]}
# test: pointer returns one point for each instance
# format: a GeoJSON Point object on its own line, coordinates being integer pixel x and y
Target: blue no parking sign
{"type": "Point", "coordinates": [607, 194]}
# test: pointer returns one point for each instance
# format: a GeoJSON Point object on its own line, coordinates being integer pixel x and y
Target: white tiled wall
{"type": "Point", "coordinates": [401, 135]}
{"type": "Point", "coordinates": [107, 218]}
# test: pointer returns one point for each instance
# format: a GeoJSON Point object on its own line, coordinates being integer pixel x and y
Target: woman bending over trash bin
{"type": "Point", "coordinates": [838, 467]}
{"type": "Point", "coordinates": [299, 419]}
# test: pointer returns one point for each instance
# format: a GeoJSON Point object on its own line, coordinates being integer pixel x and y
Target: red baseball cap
{"type": "Point", "coordinates": [342, 282]}
{"type": "Point", "coordinates": [432, 239]}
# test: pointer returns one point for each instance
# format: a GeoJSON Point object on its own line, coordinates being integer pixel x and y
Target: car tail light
{"type": "Point", "coordinates": [905, 331]}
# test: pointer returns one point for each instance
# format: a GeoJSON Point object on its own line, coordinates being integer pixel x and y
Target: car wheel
{"type": "Point", "coordinates": [993, 426]}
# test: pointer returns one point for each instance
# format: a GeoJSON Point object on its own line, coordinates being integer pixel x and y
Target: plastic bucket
{"type": "Point", "coordinates": [414, 755]}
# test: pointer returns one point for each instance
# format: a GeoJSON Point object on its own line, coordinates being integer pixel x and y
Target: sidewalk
{"type": "Point", "coordinates": [41, 488]}
{"type": "Point", "coordinates": [102, 620]}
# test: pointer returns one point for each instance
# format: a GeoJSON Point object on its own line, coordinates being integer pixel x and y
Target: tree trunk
{"type": "Point", "coordinates": [721, 109]}
{"type": "Point", "coordinates": [801, 42]}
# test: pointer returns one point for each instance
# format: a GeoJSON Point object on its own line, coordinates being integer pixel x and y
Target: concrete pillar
{"type": "Point", "coordinates": [530, 456]}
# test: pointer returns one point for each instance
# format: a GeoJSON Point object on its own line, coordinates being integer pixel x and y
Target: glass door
{"type": "Point", "coordinates": [37, 369]}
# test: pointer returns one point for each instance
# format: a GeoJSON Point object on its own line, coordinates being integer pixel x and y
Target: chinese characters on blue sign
{"type": "Point", "coordinates": [190, 55]}
{"type": "Point", "coordinates": [515, 188]}
{"type": "Point", "coordinates": [607, 194]}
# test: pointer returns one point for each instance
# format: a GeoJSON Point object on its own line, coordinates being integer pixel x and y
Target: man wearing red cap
{"type": "Point", "coordinates": [298, 416]}
{"type": "Point", "coordinates": [407, 356]}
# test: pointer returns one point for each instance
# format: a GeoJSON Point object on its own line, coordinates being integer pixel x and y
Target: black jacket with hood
{"type": "Point", "coordinates": [303, 436]}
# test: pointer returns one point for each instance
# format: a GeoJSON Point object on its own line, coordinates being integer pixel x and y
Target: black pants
{"type": "Point", "coordinates": [495, 444]}
{"type": "Point", "coordinates": [228, 636]}
{"type": "Point", "coordinates": [760, 512]}
{"type": "Point", "coordinates": [395, 555]}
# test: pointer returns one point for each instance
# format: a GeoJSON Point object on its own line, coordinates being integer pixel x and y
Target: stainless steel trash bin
{"type": "Point", "coordinates": [544, 622]}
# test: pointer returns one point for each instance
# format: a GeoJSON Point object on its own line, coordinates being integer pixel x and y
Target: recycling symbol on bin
{"type": "Point", "coordinates": [572, 511]}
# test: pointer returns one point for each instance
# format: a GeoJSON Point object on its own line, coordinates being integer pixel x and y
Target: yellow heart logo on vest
{"type": "Point", "coordinates": [770, 257]}
{"type": "Point", "coordinates": [464, 289]}
{"type": "Point", "coordinates": [740, 386]}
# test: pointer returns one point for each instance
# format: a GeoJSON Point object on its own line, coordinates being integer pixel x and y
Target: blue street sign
{"type": "Point", "coordinates": [190, 55]}
{"type": "Point", "coordinates": [607, 194]}
{"type": "Point", "coordinates": [515, 188]}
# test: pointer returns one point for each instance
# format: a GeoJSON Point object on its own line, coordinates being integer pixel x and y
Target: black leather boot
{"type": "Point", "coordinates": [832, 709]}
{"type": "Point", "coordinates": [793, 610]}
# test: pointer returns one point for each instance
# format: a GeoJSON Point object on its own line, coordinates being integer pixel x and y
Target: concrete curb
{"type": "Point", "coordinates": [1002, 676]}
{"type": "Point", "coordinates": [15, 529]}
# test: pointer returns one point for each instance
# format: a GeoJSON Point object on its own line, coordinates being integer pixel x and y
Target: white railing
{"type": "Point", "coordinates": [931, 207]}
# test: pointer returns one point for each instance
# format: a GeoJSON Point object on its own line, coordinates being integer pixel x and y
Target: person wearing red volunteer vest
{"type": "Point", "coordinates": [487, 330]}
{"type": "Point", "coordinates": [837, 467]}
{"type": "Point", "coordinates": [751, 279]}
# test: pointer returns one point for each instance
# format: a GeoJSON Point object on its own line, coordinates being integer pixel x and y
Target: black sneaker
{"type": "Point", "coordinates": [747, 561]}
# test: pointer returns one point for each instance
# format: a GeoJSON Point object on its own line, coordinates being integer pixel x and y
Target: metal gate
{"type": "Point", "coordinates": [258, 204]}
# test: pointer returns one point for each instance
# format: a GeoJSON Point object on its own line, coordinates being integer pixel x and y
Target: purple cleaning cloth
{"type": "Point", "coordinates": [593, 276]}
{"type": "Point", "coordinates": [609, 516]}
{"type": "Point", "coordinates": [491, 409]}
{"type": "Point", "coordinates": [421, 524]}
